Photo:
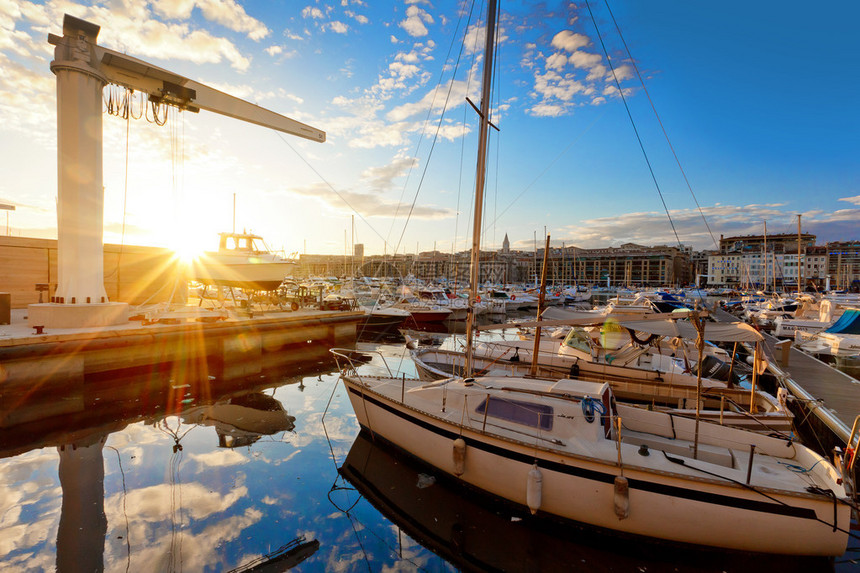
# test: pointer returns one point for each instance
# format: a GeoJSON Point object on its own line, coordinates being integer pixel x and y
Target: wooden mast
{"type": "Point", "coordinates": [474, 274]}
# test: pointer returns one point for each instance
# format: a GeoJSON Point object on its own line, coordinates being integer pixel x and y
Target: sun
{"type": "Point", "coordinates": [188, 244]}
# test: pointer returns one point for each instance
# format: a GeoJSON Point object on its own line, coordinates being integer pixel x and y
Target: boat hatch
{"type": "Point", "coordinates": [529, 414]}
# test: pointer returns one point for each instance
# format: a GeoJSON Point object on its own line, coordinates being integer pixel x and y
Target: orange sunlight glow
{"type": "Point", "coordinates": [188, 244]}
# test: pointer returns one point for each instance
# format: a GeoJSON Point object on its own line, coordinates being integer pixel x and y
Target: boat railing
{"type": "Point", "coordinates": [349, 359]}
{"type": "Point", "coordinates": [850, 457]}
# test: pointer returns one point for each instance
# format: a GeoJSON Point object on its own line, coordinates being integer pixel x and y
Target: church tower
{"type": "Point", "coordinates": [506, 245]}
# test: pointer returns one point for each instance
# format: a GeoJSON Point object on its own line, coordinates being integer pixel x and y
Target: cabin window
{"type": "Point", "coordinates": [525, 413]}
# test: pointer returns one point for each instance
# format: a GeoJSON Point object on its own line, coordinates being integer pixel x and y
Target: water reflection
{"type": "Point", "coordinates": [171, 470]}
{"type": "Point", "coordinates": [159, 475]}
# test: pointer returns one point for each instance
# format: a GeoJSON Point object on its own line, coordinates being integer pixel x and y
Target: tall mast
{"type": "Point", "coordinates": [764, 282]}
{"type": "Point", "coordinates": [474, 275]}
{"type": "Point", "coordinates": [798, 255]}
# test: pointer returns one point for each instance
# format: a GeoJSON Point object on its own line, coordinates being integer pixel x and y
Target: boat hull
{"type": "Point", "coordinates": [661, 505]}
{"type": "Point", "coordinates": [265, 276]}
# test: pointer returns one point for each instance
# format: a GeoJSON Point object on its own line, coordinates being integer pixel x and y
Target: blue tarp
{"type": "Point", "coordinates": [848, 323]}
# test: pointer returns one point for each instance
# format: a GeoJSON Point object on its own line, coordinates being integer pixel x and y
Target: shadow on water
{"type": "Point", "coordinates": [475, 532]}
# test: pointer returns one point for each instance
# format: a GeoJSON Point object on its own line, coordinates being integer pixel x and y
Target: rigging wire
{"type": "Point", "coordinates": [666, 135]}
{"type": "Point", "coordinates": [426, 121]}
{"type": "Point", "coordinates": [333, 190]}
{"type": "Point", "coordinates": [496, 90]}
{"type": "Point", "coordinates": [469, 77]}
{"type": "Point", "coordinates": [436, 134]}
{"type": "Point", "coordinates": [632, 122]}
{"type": "Point", "coordinates": [548, 167]}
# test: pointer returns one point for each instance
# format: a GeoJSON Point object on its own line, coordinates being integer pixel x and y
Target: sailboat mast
{"type": "Point", "coordinates": [474, 275]}
{"type": "Point", "coordinates": [764, 282]}
{"type": "Point", "coordinates": [798, 257]}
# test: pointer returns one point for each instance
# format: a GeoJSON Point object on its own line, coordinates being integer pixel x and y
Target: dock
{"type": "Point", "coordinates": [830, 396]}
{"type": "Point", "coordinates": [50, 363]}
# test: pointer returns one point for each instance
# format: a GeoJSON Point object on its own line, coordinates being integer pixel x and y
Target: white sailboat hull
{"type": "Point", "coordinates": [662, 503]}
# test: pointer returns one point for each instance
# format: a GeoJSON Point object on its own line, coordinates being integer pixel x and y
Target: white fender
{"type": "Point", "coordinates": [459, 456]}
{"type": "Point", "coordinates": [533, 489]}
{"type": "Point", "coordinates": [782, 398]}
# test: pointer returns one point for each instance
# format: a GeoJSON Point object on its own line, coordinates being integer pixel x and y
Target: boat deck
{"type": "Point", "coordinates": [810, 379]}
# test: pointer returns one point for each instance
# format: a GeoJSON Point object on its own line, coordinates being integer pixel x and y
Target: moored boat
{"type": "Point", "coordinates": [534, 442]}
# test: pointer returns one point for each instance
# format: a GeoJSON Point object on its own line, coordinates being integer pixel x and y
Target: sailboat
{"type": "Point", "coordinates": [567, 449]}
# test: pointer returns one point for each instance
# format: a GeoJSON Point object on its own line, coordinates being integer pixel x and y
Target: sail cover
{"type": "Point", "coordinates": [848, 323]}
{"type": "Point", "coordinates": [714, 331]}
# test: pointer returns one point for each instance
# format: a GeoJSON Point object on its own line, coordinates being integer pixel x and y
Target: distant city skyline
{"type": "Point", "coordinates": [760, 109]}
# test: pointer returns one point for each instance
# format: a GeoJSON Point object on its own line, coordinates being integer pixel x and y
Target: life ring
{"type": "Point", "coordinates": [478, 298]}
{"type": "Point", "coordinates": [651, 338]}
{"type": "Point", "coordinates": [513, 297]}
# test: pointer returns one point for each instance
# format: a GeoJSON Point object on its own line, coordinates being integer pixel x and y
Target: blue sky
{"type": "Point", "coordinates": [758, 100]}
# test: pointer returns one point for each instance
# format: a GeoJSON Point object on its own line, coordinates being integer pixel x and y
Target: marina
{"type": "Point", "coordinates": [175, 409]}
{"type": "Point", "coordinates": [201, 473]}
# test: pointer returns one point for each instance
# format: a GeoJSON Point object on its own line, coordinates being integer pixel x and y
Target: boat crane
{"type": "Point", "coordinates": [83, 69]}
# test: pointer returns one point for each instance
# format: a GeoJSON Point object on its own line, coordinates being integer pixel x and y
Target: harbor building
{"type": "Point", "coordinates": [756, 261]}
{"type": "Point", "coordinates": [843, 263]}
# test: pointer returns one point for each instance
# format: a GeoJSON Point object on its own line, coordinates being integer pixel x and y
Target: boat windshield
{"type": "Point", "coordinates": [517, 411]}
{"type": "Point", "coordinates": [577, 338]}
{"type": "Point", "coordinates": [243, 243]}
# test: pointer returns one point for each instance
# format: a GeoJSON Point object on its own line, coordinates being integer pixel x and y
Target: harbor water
{"type": "Point", "coordinates": [173, 470]}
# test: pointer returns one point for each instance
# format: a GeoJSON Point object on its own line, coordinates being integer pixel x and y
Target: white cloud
{"type": "Point", "coordinates": [370, 204]}
{"type": "Point", "coordinates": [547, 110]}
{"type": "Point", "coordinates": [652, 227]}
{"type": "Point", "coordinates": [552, 85]}
{"type": "Point", "coordinates": [435, 98]}
{"type": "Point", "coordinates": [415, 21]}
{"type": "Point", "coordinates": [231, 15]}
{"type": "Point", "coordinates": [360, 18]}
{"type": "Point", "coordinates": [382, 178]}
{"type": "Point", "coordinates": [853, 200]}
{"type": "Point", "coordinates": [584, 60]}
{"type": "Point", "coordinates": [556, 61]}
{"type": "Point", "coordinates": [224, 12]}
{"type": "Point", "coordinates": [338, 27]}
{"type": "Point", "coordinates": [624, 72]}
{"type": "Point", "coordinates": [312, 12]}
{"type": "Point", "coordinates": [570, 41]}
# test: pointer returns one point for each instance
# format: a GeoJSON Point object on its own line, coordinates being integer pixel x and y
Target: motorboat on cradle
{"type": "Point", "coordinates": [242, 261]}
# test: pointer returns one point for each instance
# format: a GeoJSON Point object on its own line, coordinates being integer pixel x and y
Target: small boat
{"type": "Point", "coordinates": [839, 343]}
{"type": "Point", "coordinates": [567, 449]}
{"type": "Point", "coordinates": [242, 261]}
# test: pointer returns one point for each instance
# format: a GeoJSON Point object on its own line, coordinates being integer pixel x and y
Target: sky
{"type": "Point", "coordinates": [704, 120]}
